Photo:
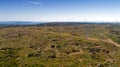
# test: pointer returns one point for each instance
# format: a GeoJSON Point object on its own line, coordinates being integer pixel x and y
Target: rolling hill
{"type": "Point", "coordinates": [61, 45]}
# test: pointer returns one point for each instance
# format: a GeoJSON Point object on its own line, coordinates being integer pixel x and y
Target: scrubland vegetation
{"type": "Point", "coordinates": [74, 45]}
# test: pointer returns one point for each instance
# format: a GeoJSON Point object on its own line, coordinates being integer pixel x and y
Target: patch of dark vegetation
{"type": "Point", "coordinates": [35, 54]}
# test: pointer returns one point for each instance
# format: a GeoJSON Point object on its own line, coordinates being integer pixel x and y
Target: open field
{"type": "Point", "coordinates": [60, 45]}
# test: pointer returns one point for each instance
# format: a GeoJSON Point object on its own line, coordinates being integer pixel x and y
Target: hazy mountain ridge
{"type": "Point", "coordinates": [20, 23]}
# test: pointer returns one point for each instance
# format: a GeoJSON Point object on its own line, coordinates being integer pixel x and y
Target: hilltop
{"type": "Point", "coordinates": [61, 45]}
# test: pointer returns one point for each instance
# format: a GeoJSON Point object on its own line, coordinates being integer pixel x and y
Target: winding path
{"type": "Point", "coordinates": [108, 40]}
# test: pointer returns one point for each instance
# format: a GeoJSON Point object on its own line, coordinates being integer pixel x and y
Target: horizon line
{"type": "Point", "coordinates": [62, 21]}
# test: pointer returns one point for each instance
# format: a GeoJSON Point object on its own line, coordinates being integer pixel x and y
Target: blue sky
{"type": "Point", "coordinates": [59, 10]}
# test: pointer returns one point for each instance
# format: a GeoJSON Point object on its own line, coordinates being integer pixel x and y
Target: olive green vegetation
{"type": "Point", "coordinates": [83, 45]}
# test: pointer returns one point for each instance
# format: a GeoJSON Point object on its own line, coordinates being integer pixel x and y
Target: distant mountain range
{"type": "Point", "coordinates": [23, 23]}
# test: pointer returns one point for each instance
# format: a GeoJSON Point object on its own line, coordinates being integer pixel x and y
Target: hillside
{"type": "Point", "coordinates": [60, 45]}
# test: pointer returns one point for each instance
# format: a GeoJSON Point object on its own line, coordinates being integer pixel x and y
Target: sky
{"type": "Point", "coordinates": [59, 10]}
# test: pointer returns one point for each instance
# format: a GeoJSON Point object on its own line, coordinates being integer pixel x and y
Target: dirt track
{"type": "Point", "coordinates": [108, 40]}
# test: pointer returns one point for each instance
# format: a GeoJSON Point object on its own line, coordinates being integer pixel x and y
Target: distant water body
{"type": "Point", "coordinates": [8, 23]}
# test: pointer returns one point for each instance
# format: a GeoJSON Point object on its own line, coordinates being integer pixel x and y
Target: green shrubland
{"type": "Point", "coordinates": [66, 46]}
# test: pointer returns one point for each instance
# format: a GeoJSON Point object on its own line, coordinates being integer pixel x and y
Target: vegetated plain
{"type": "Point", "coordinates": [60, 45]}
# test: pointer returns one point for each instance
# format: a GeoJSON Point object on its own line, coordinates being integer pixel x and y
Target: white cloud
{"type": "Point", "coordinates": [36, 3]}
